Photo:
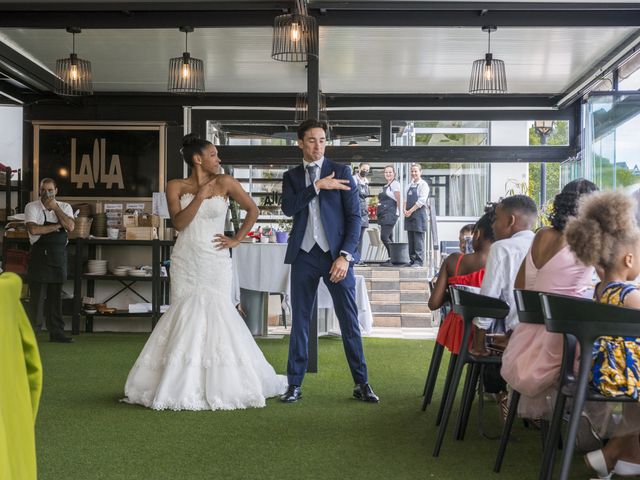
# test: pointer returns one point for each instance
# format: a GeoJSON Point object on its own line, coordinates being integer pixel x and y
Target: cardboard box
{"type": "Point", "coordinates": [148, 220]}
{"type": "Point", "coordinates": [141, 233]}
{"type": "Point", "coordinates": [129, 220]}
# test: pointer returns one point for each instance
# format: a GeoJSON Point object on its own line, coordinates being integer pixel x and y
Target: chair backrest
{"type": "Point", "coordinates": [529, 306]}
{"type": "Point", "coordinates": [374, 237]}
{"type": "Point", "coordinates": [587, 320]}
{"type": "Point", "coordinates": [470, 305]}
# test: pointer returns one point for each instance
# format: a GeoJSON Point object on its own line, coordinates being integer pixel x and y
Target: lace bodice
{"type": "Point", "coordinates": [196, 265]}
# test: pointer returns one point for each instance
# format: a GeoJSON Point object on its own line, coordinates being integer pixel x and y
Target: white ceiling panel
{"type": "Point", "coordinates": [352, 60]}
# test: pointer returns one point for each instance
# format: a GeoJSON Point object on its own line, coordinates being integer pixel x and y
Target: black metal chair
{"type": "Point", "coordinates": [583, 321]}
{"type": "Point", "coordinates": [529, 311]}
{"type": "Point", "coordinates": [434, 368]}
{"type": "Point", "coordinates": [469, 306]}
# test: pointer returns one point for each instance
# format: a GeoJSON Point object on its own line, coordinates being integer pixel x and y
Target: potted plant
{"type": "Point", "coordinates": [282, 234]}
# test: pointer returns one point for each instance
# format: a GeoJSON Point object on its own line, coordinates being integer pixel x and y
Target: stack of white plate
{"type": "Point", "coordinates": [122, 270]}
{"type": "Point", "coordinates": [97, 267]}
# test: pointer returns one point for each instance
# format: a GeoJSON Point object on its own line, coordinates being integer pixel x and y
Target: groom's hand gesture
{"type": "Point", "coordinates": [330, 183]}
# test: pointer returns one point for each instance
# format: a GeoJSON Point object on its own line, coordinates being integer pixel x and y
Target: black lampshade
{"type": "Point", "coordinates": [73, 74]}
{"type": "Point", "coordinates": [488, 74]}
{"type": "Point", "coordinates": [186, 74]}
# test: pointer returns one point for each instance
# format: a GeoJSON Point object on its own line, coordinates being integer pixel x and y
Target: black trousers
{"type": "Point", "coordinates": [50, 311]}
{"type": "Point", "coordinates": [416, 247]}
{"type": "Point", "coordinates": [386, 234]}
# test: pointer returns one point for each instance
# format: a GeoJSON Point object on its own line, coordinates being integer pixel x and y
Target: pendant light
{"type": "Point", "coordinates": [186, 74]}
{"type": "Point", "coordinates": [73, 73]}
{"type": "Point", "coordinates": [488, 74]}
{"type": "Point", "coordinates": [295, 35]}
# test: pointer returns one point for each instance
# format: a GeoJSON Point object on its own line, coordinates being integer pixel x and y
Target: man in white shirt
{"type": "Point", "coordinates": [515, 216]}
{"type": "Point", "coordinates": [48, 222]}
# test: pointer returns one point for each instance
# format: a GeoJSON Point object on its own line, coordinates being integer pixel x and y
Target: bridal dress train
{"type": "Point", "coordinates": [201, 355]}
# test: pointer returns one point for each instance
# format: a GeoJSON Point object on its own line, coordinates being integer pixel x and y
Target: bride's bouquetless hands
{"type": "Point", "coordinates": [221, 242]}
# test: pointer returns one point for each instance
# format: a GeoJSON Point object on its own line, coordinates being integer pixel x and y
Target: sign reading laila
{"type": "Point", "coordinates": [101, 161]}
{"type": "Point", "coordinates": [94, 170]}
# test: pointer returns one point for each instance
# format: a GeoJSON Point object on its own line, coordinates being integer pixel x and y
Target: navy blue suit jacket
{"type": "Point", "coordinates": [339, 210]}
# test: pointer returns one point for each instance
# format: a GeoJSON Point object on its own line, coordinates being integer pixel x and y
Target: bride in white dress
{"type": "Point", "coordinates": [201, 355]}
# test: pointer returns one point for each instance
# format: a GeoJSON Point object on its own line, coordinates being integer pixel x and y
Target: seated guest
{"type": "Point", "coordinates": [532, 360]}
{"type": "Point", "coordinates": [605, 234]}
{"type": "Point", "coordinates": [465, 237]}
{"type": "Point", "coordinates": [514, 219]}
{"type": "Point", "coordinates": [461, 269]}
{"type": "Point", "coordinates": [20, 384]}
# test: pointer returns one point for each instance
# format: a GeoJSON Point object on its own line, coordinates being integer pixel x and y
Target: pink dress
{"type": "Point", "coordinates": [531, 361]}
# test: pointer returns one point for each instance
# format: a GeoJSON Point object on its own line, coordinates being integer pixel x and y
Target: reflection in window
{"type": "Point", "coordinates": [612, 142]}
{"type": "Point", "coordinates": [458, 189]}
{"type": "Point", "coordinates": [364, 133]}
{"type": "Point", "coordinates": [439, 133]}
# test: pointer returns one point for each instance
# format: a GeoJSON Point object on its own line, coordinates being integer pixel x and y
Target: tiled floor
{"type": "Point", "coordinates": [382, 332]}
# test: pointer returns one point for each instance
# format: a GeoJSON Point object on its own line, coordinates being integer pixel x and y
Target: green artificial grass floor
{"type": "Point", "coordinates": [83, 432]}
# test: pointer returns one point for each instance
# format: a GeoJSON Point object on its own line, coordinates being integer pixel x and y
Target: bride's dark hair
{"type": "Point", "coordinates": [192, 144]}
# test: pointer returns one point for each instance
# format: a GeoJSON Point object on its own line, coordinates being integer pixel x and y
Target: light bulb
{"type": "Point", "coordinates": [488, 72]}
{"type": "Point", "coordinates": [295, 32]}
{"type": "Point", "coordinates": [73, 72]}
{"type": "Point", "coordinates": [186, 71]}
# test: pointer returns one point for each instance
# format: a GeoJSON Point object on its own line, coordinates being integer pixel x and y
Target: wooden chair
{"type": "Point", "coordinates": [468, 305]}
{"type": "Point", "coordinates": [582, 321]}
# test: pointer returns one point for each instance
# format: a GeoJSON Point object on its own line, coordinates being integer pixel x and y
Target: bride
{"type": "Point", "coordinates": [201, 355]}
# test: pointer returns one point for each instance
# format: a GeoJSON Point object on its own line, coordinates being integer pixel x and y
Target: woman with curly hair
{"type": "Point", "coordinates": [605, 234]}
{"type": "Point", "coordinates": [531, 362]}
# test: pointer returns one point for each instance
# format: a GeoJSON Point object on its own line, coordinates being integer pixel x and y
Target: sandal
{"type": "Point", "coordinates": [595, 461]}
{"type": "Point", "coordinates": [627, 469]}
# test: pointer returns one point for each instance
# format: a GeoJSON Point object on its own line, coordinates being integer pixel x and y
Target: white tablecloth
{"type": "Point", "coordinates": [261, 267]}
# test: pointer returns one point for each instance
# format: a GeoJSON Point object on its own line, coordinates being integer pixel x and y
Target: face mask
{"type": "Point", "coordinates": [48, 195]}
{"type": "Point", "coordinates": [364, 173]}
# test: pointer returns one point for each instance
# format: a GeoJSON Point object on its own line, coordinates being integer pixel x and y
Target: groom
{"type": "Point", "coordinates": [322, 198]}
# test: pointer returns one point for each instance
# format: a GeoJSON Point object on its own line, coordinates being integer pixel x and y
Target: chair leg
{"type": "Point", "coordinates": [506, 430]}
{"type": "Point", "coordinates": [432, 375]}
{"type": "Point", "coordinates": [546, 468]}
{"type": "Point", "coordinates": [449, 401]}
{"type": "Point", "coordinates": [467, 401]}
{"type": "Point", "coordinates": [447, 385]}
{"type": "Point", "coordinates": [574, 420]}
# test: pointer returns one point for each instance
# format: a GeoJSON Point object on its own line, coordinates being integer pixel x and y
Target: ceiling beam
{"type": "Point", "coordinates": [15, 65]}
{"type": "Point", "coordinates": [329, 13]}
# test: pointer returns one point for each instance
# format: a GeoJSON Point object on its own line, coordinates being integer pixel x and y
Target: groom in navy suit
{"type": "Point", "coordinates": [322, 198]}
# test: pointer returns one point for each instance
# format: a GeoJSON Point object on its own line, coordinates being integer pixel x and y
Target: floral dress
{"type": "Point", "coordinates": [616, 360]}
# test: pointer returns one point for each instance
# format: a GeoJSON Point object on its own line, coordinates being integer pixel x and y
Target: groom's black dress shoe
{"type": "Point", "coordinates": [365, 393]}
{"type": "Point", "coordinates": [293, 394]}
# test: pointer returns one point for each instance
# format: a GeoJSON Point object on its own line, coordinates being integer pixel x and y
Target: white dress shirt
{"type": "Point", "coordinates": [423, 192]}
{"type": "Point", "coordinates": [314, 233]}
{"type": "Point", "coordinates": [501, 269]}
{"type": "Point", "coordinates": [36, 212]}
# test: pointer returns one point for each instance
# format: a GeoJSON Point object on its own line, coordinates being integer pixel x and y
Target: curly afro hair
{"type": "Point", "coordinates": [604, 225]}
{"type": "Point", "coordinates": [565, 205]}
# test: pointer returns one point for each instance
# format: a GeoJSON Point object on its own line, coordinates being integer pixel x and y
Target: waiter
{"type": "Point", "coordinates": [48, 222]}
{"type": "Point", "coordinates": [415, 222]}
{"type": "Point", "coordinates": [388, 210]}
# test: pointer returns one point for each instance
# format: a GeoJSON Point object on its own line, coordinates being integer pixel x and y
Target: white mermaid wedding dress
{"type": "Point", "coordinates": [201, 355]}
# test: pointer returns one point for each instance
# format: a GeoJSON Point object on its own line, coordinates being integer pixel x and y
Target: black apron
{"type": "Point", "coordinates": [363, 193]}
{"type": "Point", "coordinates": [387, 210]}
{"type": "Point", "coordinates": [48, 258]}
{"type": "Point", "coordinates": [417, 222]}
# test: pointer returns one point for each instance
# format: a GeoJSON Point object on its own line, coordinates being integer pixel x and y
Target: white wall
{"type": "Point", "coordinates": [508, 134]}
{"type": "Point", "coordinates": [11, 136]}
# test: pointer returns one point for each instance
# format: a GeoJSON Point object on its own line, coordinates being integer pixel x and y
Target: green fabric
{"type": "Point", "coordinates": [20, 384]}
